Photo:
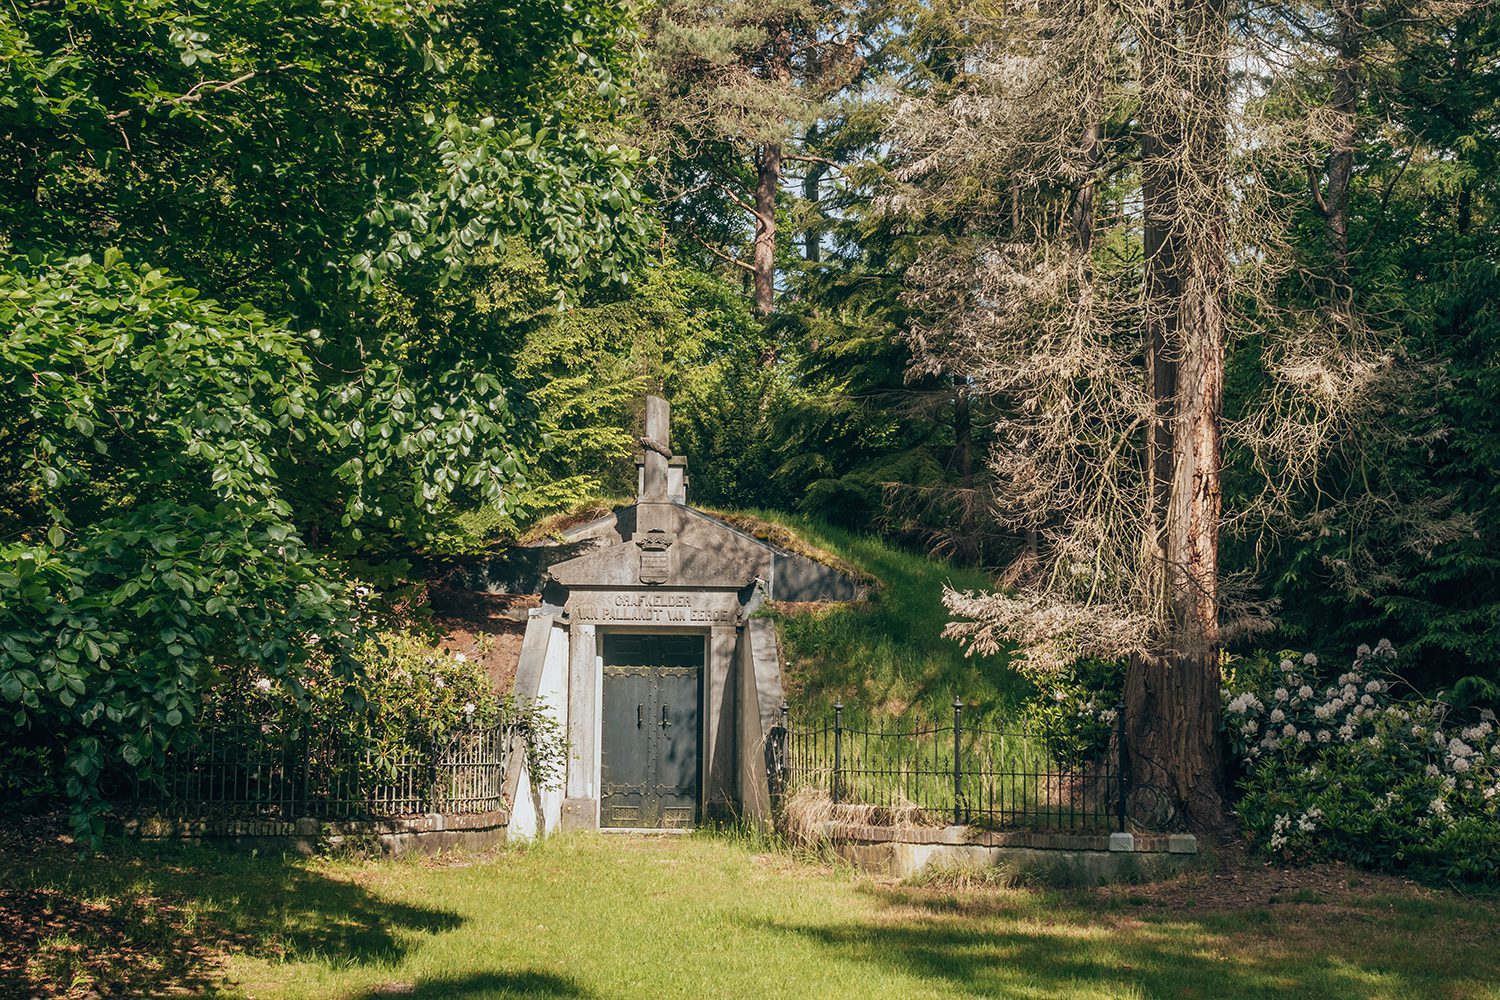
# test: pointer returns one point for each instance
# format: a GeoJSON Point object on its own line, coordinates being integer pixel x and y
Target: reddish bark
{"type": "Point", "coordinates": [768, 164]}
{"type": "Point", "coordinates": [1172, 693]}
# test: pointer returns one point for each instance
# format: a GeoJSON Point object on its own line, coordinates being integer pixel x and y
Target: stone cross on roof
{"type": "Point", "coordinates": [657, 444]}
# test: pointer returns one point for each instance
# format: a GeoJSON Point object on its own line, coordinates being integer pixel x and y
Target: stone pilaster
{"type": "Point", "coordinates": [580, 808]}
{"type": "Point", "coordinates": [719, 763]}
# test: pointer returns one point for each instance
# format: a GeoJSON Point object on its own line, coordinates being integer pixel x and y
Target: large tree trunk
{"type": "Point", "coordinates": [1172, 693]}
{"type": "Point", "coordinates": [812, 237]}
{"type": "Point", "coordinates": [768, 162]}
{"type": "Point", "coordinates": [812, 191]}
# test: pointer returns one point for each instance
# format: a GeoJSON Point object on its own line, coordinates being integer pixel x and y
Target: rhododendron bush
{"type": "Point", "coordinates": [407, 693]}
{"type": "Point", "coordinates": [1076, 708]}
{"type": "Point", "coordinates": [1356, 766]}
{"type": "Point", "coordinates": [409, 698]}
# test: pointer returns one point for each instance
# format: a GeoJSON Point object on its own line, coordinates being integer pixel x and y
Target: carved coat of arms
{"type": "Point", "coordinates": [656, 556]}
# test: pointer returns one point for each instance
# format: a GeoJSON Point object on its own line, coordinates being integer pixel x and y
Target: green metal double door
{"type": "Point", "coordinates": [651, 731]}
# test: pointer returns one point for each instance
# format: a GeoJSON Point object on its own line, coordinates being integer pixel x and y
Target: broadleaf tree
{"type": "Point", "coordinates": [214, 220]}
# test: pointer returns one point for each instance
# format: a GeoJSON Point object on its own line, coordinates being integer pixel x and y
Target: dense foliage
{"type": "Point", "coordinates": [240, 250]}
{"type": "Point", "coordinates": [154, 422]}
{"type": "Point", "coordinates": [1077, 709]}
{"type": "Point", "coordinates": [1358, 767]}
{"type": "Point", "coordinates": [418, 700]}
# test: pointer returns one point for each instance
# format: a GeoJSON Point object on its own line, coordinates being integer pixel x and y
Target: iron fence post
{"type": "Point", "coordinates": [434, 767]}
{"type": "Point", "coordinates": [958, 774]}
{"type": "Point", "coordinates": [1122, 767]}
{"type": "Point", "coordinates": [306, 743]}
{"type": "Point", "coordinates": [784, 760]}
{"type": "Point", "coordinates": [838, 747]}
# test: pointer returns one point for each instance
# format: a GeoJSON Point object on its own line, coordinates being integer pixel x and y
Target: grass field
{"type": "Point", "coordinates": [699, 916]}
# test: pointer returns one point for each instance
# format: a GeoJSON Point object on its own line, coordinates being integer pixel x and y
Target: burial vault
{"type": "Point", "coordinates": [646, 651]}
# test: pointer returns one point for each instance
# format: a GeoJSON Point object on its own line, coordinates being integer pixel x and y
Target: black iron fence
{"type": "Point", "coordinates": [955, 772]}
{"type": "Point", "coordinates": [295, 767]}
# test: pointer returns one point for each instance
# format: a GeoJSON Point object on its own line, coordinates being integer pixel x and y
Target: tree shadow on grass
{"type": "Point", "coordinates": [1028, 946]}
{"type": "Point", "coordinates": [144, 918]}
{"type": "Point", "coordinates": [486, 986]}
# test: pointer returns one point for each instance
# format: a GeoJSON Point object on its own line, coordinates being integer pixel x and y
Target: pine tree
{"type": "Point", "coordinates": [734, 89]}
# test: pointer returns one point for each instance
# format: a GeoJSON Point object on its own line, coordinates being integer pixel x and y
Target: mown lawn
{"type": "Point", "coordinates": [594, 916]}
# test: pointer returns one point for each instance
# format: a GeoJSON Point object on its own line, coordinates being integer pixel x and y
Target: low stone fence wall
{"type": "Point", "coordinates": [902, 852]}
{"type": "Point", "coordinates": [429, 833]}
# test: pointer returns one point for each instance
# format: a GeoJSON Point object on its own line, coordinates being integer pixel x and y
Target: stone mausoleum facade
{"type": "Point", "coordinates": [646, 650]}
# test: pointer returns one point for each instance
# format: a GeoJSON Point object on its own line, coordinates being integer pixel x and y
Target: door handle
{"type": "Point", "coordinates": [664, 722]}
{"type": "Point", "coordinates": [639, 715]}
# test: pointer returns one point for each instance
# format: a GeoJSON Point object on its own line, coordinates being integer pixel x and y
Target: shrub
{"type": "Point", "coordinates": [407, 695]}
{"type": "Point", "coordinates": [1076, 708]}
{"type": "Point", "coordinates": [1342, 769]}
{"type": "Point", "coordinates": [148, 533]}
{"type": "Point", "coordinates": [409, 699]}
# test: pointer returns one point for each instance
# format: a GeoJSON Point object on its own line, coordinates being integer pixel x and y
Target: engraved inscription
{"type": "Point", "coordinates": [665, 609]}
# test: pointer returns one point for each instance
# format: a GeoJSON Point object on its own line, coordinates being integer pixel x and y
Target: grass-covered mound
{"type": "Point", "coordinates": [884, 654]}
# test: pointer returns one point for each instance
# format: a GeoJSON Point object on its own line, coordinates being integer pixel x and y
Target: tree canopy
{"type": "Point", "coordinates": [1177, 319]}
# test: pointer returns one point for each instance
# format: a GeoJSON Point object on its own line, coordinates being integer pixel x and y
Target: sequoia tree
{"type": "Point", "coordinates": [1172, 690]}
{"type": "Point", "coordinates": [1107, 367]}
{"type": "Point", "coordinates": [1133, 241]}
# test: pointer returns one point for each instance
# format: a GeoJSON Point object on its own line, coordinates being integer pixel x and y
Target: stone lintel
{"type": "Point", "coordinates": [667, 607]}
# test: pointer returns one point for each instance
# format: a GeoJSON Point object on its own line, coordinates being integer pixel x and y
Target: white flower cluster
{"type": "Point", "coordinates": [1278, 832]}
{"type": "Point", "coordinates": [1104, 715]}
{"type": "Point", "coordinates": [1319, 741]}
{"type": "Point", "coordinates": [1247, 702]}
{"type": "Point", "coordinates": [1300, 715]}
{"type": "Point", "coordinates": [1283, 825]}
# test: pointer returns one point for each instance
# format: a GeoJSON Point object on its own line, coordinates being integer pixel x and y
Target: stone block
{"type": "Point", "coordinates": [1182, 843]}
{"type": "Point", "coordinates": [1121, 842]}
{"type": "Point", "coordinates": [306, 826]}
{"type": "Point", "coordinates": [580, 814]}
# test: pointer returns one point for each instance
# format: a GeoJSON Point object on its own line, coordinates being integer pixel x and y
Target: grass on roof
{"type": "Point", "coordinates": [884, 655]}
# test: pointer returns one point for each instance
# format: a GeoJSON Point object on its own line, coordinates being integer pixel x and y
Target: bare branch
{"type": "Point", "coordinates": [199, 90]}
{"type": "Point", "coordinates": [722, 255]}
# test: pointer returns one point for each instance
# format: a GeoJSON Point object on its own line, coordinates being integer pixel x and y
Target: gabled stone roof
{"type": "Point", "coordinates": [713, 554]}
{"type": "Point", "coordinates": [659, 541]}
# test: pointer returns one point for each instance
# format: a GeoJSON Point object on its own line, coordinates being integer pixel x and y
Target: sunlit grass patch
{"type": "Point", "coordinates": [709, 916]}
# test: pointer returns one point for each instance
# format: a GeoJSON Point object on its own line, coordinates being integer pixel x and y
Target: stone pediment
{"type": "Point", "coordinates": [653, 559]}
{"type": "Point", "coordinates": [711, 550]}
{"type": "Point", "coordinates": [660, 541]}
